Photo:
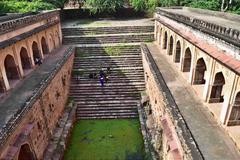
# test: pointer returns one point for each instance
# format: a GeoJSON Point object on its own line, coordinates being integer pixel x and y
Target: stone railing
{"type": "Point", "coordinates": [9, 26]}
{"type": "Point", "coordinates": [184, 134]}
{"type": "Point", "coordinates": [227, 34]}
{"type": "Point", "coordinates": [22, 36]}
{"type": "Point", "coordinates": [10, 126]}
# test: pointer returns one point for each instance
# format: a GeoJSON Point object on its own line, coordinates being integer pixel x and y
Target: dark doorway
{"type": "Point", "coordinates": [165, 41]}
{"type": "Point", "coordinates": [44, 46]}
{"type": "Point", "coordinates": [199, 72]}
{"type": "Point", "coordinates": [215, 96]}
{"type": "Point", "coordinates": [36, 51]}
{"type": "Point", "coordinates": [11, 68]}
{"type": "Point", "coordinates": [187, 61]}
{"type": "Point", "coordinates": [170, 51]}
{"type": "Point", "coordinates": [178, 52]}
{"type": "Point", "coordinates": [25, 60]}
{"type": "Point", "coordinates": [235, 113]}
{"type": "Point", "coordinates": [2, 86]}
{"type": "Point", "coordinates": [26, 153]}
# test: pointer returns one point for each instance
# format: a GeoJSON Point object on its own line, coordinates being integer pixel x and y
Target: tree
{"type": "Point", "coordinates": [109, 6]}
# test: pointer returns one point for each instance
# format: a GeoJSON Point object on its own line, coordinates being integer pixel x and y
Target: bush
{"type": "Point", "coordinates": [23, 6]}
{"type": "Point", "coordinates": [100, 6]}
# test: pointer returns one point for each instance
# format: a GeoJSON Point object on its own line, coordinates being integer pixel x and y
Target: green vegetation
{"type": "Point", "coordinates": [106, 140]}
{"type": "Point", "coordinates": [24, 6]}
{"type": "Point", "coordinates": [110, 6]}
{"type": "Point", "coordinates": [112, 51]}
{"type": "Point", "coordinates": [77, 72]}
{"type": "Point", "coordinates": [99, 6]}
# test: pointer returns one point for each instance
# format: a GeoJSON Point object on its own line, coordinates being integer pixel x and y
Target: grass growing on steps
{"type": "Point", "coordinates": [91, 22]}
{"type": "Point", "coordinates": [106, 139]}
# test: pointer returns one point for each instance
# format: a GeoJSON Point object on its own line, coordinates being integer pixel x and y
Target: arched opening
{"type": "Point", "coordinates": [25, 60]}
{"type": "Point", "coordinates": [26, 153]}
{"type": "Point", "coordinates": [36, 51]}
{"type": "Point", "coordinates": [11, 68]}
{"type": "Point", "coordinates": [235, 113]}
{"type": "Point", "coordinates": [178, 52]}
{"type": "Point", "coordinates": [165, 41]}
{"type": "Point", "coordinates": [199, 72]}
{"type": "Point", "coordinates": [170, 51]}
{"type": "Point", "coordinates": [187, 61]}
{"type": "Point", "coordinates": [44, 46]}
{"type": "Point", "coordinates": [216, 93]}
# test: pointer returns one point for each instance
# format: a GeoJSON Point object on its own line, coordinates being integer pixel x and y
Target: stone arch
{"type": "Point", "coordinates": [11, 68]}
{"type": "Point", "coordinates": [170, 51]}
{"type": "Point", "coordinates": [216, 92]}
{"type": "Point", "coordinates": [165, 40]}
{"type": "Point", "coordinates": [199, 72]}
{"type": "Point", "coordinates": [26, 153]}
{"type": "Point", "coordinates": [35, 50]}
{"type": "Point", "coordinates": [234, 118]}
{"type": "Point", "coordinates": [44, 46]}
{"type": "Point", "coordinates": [25, 59]}
{"type": "Point", "coordinates": [178, 52]}
{"type": "Point", "coordinates": [187, 60]}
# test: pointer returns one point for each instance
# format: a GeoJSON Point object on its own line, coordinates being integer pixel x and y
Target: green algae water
{"type": "Point", "coordinates": [106, 139]}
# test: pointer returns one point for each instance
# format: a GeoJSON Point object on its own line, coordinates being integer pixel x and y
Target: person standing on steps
{"type": "Point", "coordinates": [101, 79]}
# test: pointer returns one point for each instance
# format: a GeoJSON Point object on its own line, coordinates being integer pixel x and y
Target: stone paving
{"type": "Point", "coordinates": [223, 21]}
{"type": "Point", "coordinates": [17, 97]}
{"type": "Point", "coordinates": [212, 140]}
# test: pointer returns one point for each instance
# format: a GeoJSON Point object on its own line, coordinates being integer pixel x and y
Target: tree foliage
{"type": "Point", "coordinates": [23, 6]}
{"type": "Point", "coordinates": [98, 6]}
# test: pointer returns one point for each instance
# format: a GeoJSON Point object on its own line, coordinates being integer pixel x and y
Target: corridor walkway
{"type": "Point", "coordinates": [212, 140]}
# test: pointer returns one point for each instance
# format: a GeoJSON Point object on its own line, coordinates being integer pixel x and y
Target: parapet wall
{"type": "Point", "coordinates": [35, 122]}
{"type": "Point", "coordinates": [177, 140]}
{"type": "Point", "coordinates": [229, 35]}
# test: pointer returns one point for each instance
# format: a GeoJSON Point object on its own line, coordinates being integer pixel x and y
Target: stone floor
{"type": "Point", "coordinates": [107, 22]}
{"type": "Point", "coordinates": [212, 139]}
{"type": "Point", "coordinates": [16, 97]}
{"type": "Point", "coordinates": [207, 17]}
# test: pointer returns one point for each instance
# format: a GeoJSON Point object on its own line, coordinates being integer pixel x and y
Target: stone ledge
{"type": "Point", "coordinates": [26, 34]}
{"type": "Point", "coordinates": [185, 136]}
{"type": "Point", "coordinates": [11, 124]}
{"type": "Point", "coordinates": [229, 35]}
{"type": "Point", "coordinates": [25, 21]}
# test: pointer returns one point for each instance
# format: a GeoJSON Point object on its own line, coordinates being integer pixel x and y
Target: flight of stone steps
{"type": "Point", "coordinates": [100, 35]}
{"type": "Point", "coordinates": [121, 94]}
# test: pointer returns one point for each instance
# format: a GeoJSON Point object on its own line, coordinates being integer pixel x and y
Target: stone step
{"type": "Point", "coordinates": [96, 99]}
{"type": "Point", "coordinates": [94, 109]}
{"type": "Point", "coordinates": [107, 57]}
{"type": "Point", "coordinates": [106, 117]}
{"type": "Point", "coordinates": [106, 95]}
{"type": "Point", "coordinates": [106, 89]}
{"type": "Point", "coordinates": [106, 30]}
{"type": "Point", "coordinates": [110, 81]}
{"type": "Point", "coordinates": [77, 92]}
{"type": "Point", "coordinates": [109, 39]}
{"type": "Point", "coordinates": [108, 102]}
{"type": "Point", "coordinates": [97, 67]}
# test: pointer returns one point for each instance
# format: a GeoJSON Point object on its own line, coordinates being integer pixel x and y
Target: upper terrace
{"type": "Point", "coordinates": [224, 26]}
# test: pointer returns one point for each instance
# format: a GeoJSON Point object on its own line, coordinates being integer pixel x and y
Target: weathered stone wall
{"type": "Point", "coordinates": [37, 125]}
{"type": "Point", "coordinates": [176, 140]}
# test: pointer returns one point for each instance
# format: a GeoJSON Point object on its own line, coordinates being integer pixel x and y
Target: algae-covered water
{"type": "Point", "coordinates": [106, 139]}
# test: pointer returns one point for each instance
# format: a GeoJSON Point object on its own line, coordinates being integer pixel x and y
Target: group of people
{"type": "Point", "coordinates": [103, 76]}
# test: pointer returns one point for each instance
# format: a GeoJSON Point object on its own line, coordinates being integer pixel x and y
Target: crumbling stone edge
{"type": "Point", "coordinates": [61, 134]}
{"type": "Point", "coordinates": [16, 118]}
{"type": "Point", "coordinates": [185, 136]}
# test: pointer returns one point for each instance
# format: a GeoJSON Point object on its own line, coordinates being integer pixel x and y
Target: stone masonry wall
{"type": "Point", "coordinates": [176, 140]}
{"type": "Point", "coordinates": [41, 117]}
